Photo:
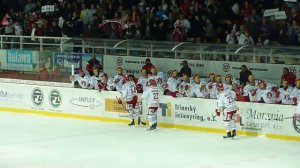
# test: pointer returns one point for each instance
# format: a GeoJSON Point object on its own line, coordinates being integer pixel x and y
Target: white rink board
{"type": "Point", "coordinates": [260, 70]}
{"type": "Point", "coordinates": [174, 112]}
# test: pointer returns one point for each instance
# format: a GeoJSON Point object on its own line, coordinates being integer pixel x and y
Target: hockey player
{"type": "Point", "coordinates": [239, 93]}
{"type": "Point", "coordinates": [129, 96]}
{"type": "Point", "coordinates": [211, 85]}
{"type": "Point", "coordinates": [226, 105]}
{"type": "Point", "coordinates": [81, 79]}
{"type": "Point", "coordinates": [185, 85]}
{"type": "Point", "coordinates": [95, 79]}
{"type": "Point", "coordinates": [173, 84]}
{"type": "Point", "coordinates": [152, 95]}
{"type": "Point", "coordinates": [251, 88]}
{"type": "Point", "coordinates": [228, 82]}
{"type": "Point", "coordinates": [103, 84]}
{"type": "Point", "coordinates": [142, 83]}
{"type": "Point", "coordinates": [198, 88]}
{"type": "Point", "coordinates": [264, 95]}
{"type": "Point", "coordinates": [284, 93]}
{"type": "Point", "coordinates": [296, 92]}
{"type": "Point", "coordinates": [158, 77]}
{"type": "Point", "coordinates": [119, 79]}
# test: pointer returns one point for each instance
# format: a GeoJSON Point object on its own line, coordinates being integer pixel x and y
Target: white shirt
{"type": "Point", "coordinates": [248, 90]}
{"type": "Point", "coordinates": [128, 90]}
{"type": "Point", "coordinates": [152, 95]}
{"type": "Point", "coordinates": [226, 101]}
{"type": "Point", "coordinates": [84, 82]}
{"type": "Point", "coordinates": [118, 80]}
{"type": "Point", "coordinates": [267, 95]}
{"type": "Point", "coordinates": [285, 96]}
{"type": "Point", "coordinates": [173, 84]}
{"type": "Point", "coordinates": [144, 82]}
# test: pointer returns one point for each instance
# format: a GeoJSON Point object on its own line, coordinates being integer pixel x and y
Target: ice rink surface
{"type": "Point", "coordinates": [32, 141]}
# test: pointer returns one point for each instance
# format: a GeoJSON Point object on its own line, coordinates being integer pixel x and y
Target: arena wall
{"type": "Point", "coordinates": [268, 120]}
{"type": "Point", "coordinates": [269, 72]}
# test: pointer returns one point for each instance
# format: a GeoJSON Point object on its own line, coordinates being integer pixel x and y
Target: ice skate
{"type": "Point", "coordinates": [228, 135]}
{"type": "Point", "coordinates": [152, 127]}
{"type": "Point", "coordinates": [233, 133]}
{"type": "Point", "coordinates": [131, 123]}
{"type": "Point", "coordinates": [140, 122]}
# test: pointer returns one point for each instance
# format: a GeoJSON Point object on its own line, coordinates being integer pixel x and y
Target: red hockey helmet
{"type": "Point", "coordinates": [152, 82]}
{"type": "Point", "coordinates": [220, 86]}
{"type": "Point", "coordinates": [261, 82]}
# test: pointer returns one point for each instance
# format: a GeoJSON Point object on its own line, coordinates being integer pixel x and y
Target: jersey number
{"type": "Point", "coordinates": [155, 95]}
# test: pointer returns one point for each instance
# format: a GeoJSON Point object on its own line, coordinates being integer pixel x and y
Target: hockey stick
{"type": "Point", "coordinates": [123, 115]}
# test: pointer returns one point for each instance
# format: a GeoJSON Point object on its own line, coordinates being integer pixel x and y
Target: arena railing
{"type": "Point", "coordinates": [46, 46]}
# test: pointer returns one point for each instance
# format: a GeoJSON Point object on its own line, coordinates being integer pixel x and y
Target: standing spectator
{"type": "Point", "coordinates": [293, 32]}
{"type": "Point", "coordinates": [93, 62]}
{"type": "Point", "coordinates": [43, 73]}
{"type": "Point", "coordinates": [177, 35]}
{"type": "Point", "coordinates": [148, 65]}
{"type": "Point", "coordinates": [196, 28]}
{"type": "Point", "coordinates": [244, 74]}
{"type": "Point", "coordinates": [288, 76]}
{"type": "Point", "coordinates": [245, 39]}
{"type": "Point", "coordinates": [184, 24]}
{"type": "Point", "coordinates": [185, 69]}
{"type": "Point", "coordinates": [231, 38]}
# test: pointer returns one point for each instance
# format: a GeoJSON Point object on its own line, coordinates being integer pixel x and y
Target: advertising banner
{"type": "Point", "coordinates": [19, 60]}
{"type": "Point", "coordinates": [258, 118]}
{"type": "Point", "coordinates": [51, 99]}
{"type": "Point", "coordinates": [3, 60]}
{"type": "Point", "coordinates": [268, 72]}
{"type": "Point", "coordinates": [79, 60]}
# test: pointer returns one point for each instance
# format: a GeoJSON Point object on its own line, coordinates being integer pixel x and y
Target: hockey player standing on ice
{"type": "Point", "coordinates": [129, 95]}
{"type": "Point", "coordinates": [152, 95]}
{"type": "Point", "coordinates": [226, 105]}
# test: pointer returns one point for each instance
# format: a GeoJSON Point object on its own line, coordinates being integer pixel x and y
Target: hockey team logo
{"type": "Point", "coordinates": [37, 97]}
{"type": "Point", "coordinates": [226, 67]}
{"type": "Point", "coordinates": [55, 98]}
{"type": "Point", "coordinates": [292, 69]}
{"type": "Point", "coordinates": [87, 102]}
{"type": "Point", "coordinates": [119, 61]}
{"type": "Point", "coordinates": [296, 124]}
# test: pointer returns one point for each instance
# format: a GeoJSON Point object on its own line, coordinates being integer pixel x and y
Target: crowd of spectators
{"type": "Point", "coordinates": [210, 21]}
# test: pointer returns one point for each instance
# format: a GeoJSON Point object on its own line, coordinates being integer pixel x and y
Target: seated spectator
{"type": "Point", "coordinates": [43, 73]}
{"type": "Point", "coordinates": [93, 62]}
{"type": "Point", "coordinates": [288, 76]}
{"type": "Point", "coordinates": [148, 65]}
{"type": "Point", "coordinates": [185, 69]}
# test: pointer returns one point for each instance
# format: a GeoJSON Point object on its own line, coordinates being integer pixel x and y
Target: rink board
{"type": "Point", "coordinates": [183, 113]}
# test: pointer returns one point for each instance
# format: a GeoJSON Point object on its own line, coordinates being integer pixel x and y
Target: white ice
{"type": "Point", "coordinates": [32, 141]}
